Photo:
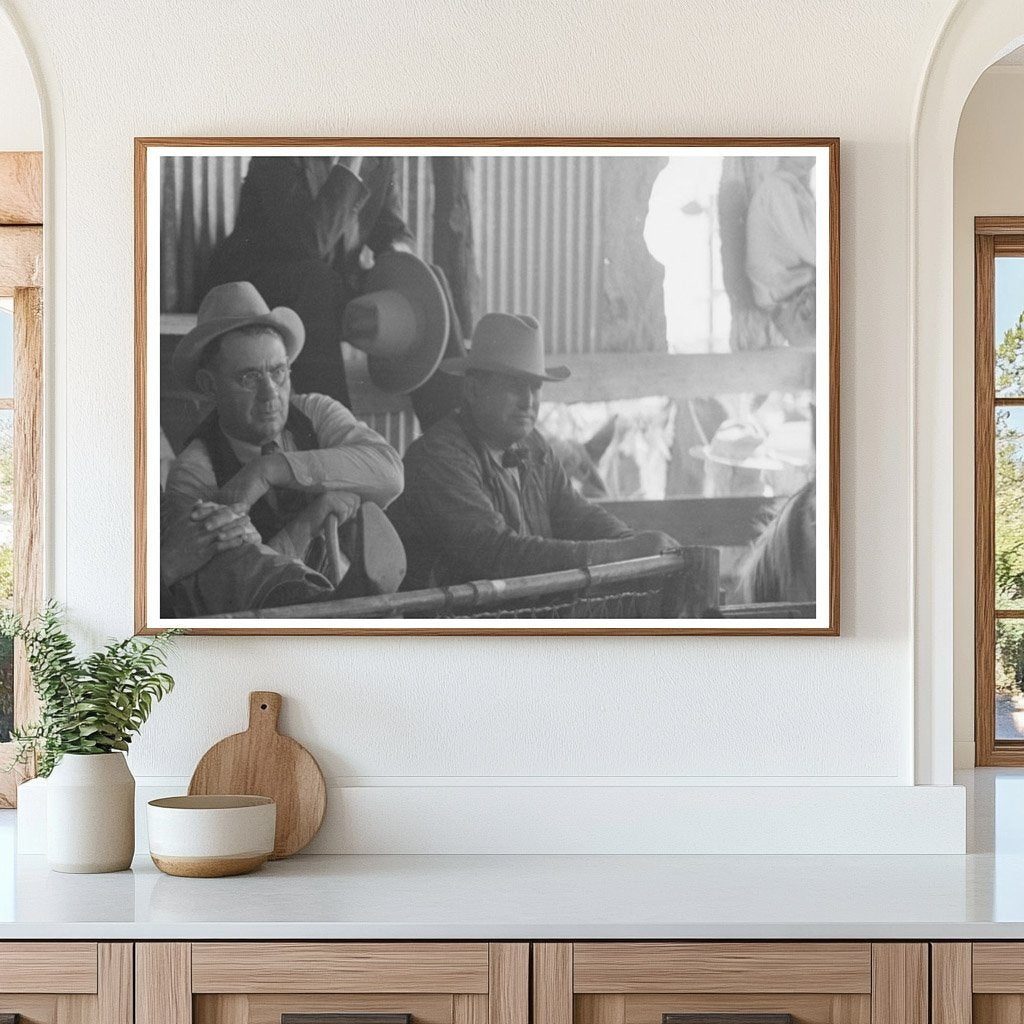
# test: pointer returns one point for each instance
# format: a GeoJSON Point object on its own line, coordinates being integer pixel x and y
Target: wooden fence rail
{"type": "Point", "coordinates": [676, 585]}
{"type": "Point", "coordinates": [719, 522]}
{"type": "Point", "coordinates": [599, 376]}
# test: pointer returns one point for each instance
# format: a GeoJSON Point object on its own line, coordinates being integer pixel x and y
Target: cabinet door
{"type": "Point", "coordinates": [66, 983]}
{"type": "Point", "coordinates": [730, 983]}
{"type": "Point", "coordinates": [332, 983]}
{"type": "Point", "coordinates": [981, 982]}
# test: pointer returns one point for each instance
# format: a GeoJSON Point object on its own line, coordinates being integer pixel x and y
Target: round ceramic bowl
{"type": "Point", "coordinates": [211, 836]}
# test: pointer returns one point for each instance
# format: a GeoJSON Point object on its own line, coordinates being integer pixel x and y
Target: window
{"type": "Point", "coordinates": [21, 320]}
{"type": "Point", "coordinates": [999, 490]}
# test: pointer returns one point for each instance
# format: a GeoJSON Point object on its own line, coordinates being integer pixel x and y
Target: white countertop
{"type": "Point", "coordinates": [496, 897]}
{"type": "Point", "coordinates": [976, 896]}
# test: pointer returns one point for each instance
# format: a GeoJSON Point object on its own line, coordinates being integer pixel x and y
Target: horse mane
{"type": "Point", "coordinates": [780, 565]}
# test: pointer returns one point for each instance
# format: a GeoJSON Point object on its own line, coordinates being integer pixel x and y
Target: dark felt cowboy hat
{"type": "Point", "coordinates": [400, 322]}
{"type": "Point", "coordinates": [226, 308]}
{"type": "Point", "coordinates": [508, 343]}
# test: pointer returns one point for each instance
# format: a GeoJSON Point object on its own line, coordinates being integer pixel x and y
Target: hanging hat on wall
{"type": "Point", "coordinates": [400, 322]}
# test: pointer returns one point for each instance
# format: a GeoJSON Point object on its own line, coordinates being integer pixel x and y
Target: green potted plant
{"type": "Point", "coordinates": [89, 710]}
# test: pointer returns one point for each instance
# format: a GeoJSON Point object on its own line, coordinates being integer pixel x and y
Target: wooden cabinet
{"type": "Point", "coordinates": [978, 983]}
{"type": "Point", "coordinates": [653, 982]}
{"type": "Point", "coordinates": [499, 983]}
{"type": "Point", "coordinates": [66, 982]}
{"type": "Point", "coordinates": [262, 982]}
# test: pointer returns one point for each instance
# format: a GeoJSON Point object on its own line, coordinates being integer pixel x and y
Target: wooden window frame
{"type": "Point", "coordinates": [21, 278]}
{"type": "Point", "coordinates": [993, 237]}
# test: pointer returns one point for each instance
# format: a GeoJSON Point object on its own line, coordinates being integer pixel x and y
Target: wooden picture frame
{"type": "Point", "coordinates": [564, 230]}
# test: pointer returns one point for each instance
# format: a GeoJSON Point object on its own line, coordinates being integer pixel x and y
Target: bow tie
{"type": "Point", "coordinates": [515, 457]}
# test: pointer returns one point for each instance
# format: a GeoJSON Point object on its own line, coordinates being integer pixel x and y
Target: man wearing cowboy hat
{"type": "Point", "coordinates": [485, 495]}
{"type": "Point", "coordinates": [297, 465]}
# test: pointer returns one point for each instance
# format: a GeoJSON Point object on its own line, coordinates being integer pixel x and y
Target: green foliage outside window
{"type": "Point", "coordinates": [1009, 510]}
{"type": "Point", "coordinates": [6, 575]}
{"type": "Point", "coordinates": [6, 688]}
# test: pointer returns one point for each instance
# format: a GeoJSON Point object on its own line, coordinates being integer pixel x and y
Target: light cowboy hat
{"type": "Point", "coordinates": [508, 343]}
{"type": "Point", "coordinates": [226, 308]}
{"type": "Point", "coordinates": [400, 321]}
{"type": "Point", "coordinates": [742, 445]}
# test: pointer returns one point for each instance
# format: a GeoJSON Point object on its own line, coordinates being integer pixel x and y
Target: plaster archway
{"type": "Point", "coordinates": [976, 33]}
{"type": "Point", "coordinates": [21, 126]}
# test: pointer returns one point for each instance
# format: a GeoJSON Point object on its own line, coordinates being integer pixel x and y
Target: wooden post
{"type": "Point", "coordinates": [693, 593]}
{"type": "Point", "coordinates": [631, 315]}
{"type": "Point", "coordinates": [453, 234]}
{"type": "Point", "coordinates": [21, 188]}
{"type": "Point", "coordinates": [21, 257]}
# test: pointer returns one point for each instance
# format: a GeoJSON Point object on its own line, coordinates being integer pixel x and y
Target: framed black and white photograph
{"type": "Point", "coordinates": [505, 386]}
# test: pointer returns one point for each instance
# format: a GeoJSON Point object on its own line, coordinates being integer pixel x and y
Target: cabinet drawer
{"type": "Point", "coordinates": [340, 967]}
{"type": "Point", "coordinates": [64, 967]}
{"type": "Point", "coordinates": [748, 967]}
{"type": "Point", "coordinates": [332, 983]}
{"type": "Point", "coordinates": [730, 983]}
{"type": "Point", "coordinates": [66, 982]}
{"type": "Point", "coordinates": [998, 967]}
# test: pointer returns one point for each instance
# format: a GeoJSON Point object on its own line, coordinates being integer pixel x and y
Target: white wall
{"type": "Point", "coordinates": [21, 126]}
{"type": "Point", "coordinates": [987, 182]}
{"type": "Point", "coordinates": [434, 716]}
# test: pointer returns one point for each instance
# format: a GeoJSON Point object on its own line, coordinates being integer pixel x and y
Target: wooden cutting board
{"type": "Point", "coordinates": [262, 762]}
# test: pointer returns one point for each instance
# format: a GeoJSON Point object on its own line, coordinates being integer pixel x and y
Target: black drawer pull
{"type": "Point", "coordinates": [727, 1018]}
{"type": "Point", "coordinates": [339, 1018]}
{"type": "Point", "coordinates": [10, 1018]}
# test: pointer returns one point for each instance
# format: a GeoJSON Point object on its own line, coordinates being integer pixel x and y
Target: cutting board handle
{"type": "Point", "coordinates": [264, 710]}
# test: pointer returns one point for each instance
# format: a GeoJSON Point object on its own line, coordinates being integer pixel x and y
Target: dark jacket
{"type": "Point", "coordinates": [281, 220]}
{"type": "Point", "coordinates": [301, 249]}
{"type": "Point", "coordinates": [461, 518]}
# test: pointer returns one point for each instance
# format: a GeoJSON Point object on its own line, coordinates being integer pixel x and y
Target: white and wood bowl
{"type": "Point", "coordinates": [211, 836]}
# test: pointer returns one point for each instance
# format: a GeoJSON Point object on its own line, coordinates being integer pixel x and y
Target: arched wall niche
{"type": "Point", "coordinates": [975, 35]}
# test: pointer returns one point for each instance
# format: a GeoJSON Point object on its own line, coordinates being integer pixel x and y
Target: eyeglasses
{"type": "Point", "coordinates": [250, 380]}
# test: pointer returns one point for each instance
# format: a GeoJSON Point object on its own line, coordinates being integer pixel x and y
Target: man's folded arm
{"type": "Point", "coordinates": [454, 510]}
{"type": "Point", "coordinates": [351, 456]}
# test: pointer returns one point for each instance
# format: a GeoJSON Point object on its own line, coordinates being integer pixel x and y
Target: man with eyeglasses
{"type": "Point", "coordinates": [297, 465]}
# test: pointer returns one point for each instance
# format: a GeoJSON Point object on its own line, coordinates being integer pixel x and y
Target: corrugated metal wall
{"type": "Point", "coordinates": [198, 199]}
{"type": "Point", "coordinates": [198, 203]}
{"type": "Point", "coordinates": [536, 225]}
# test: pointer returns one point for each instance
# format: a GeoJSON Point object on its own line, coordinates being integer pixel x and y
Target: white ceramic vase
{"type": "Point", "coordinates": [90, 814]}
